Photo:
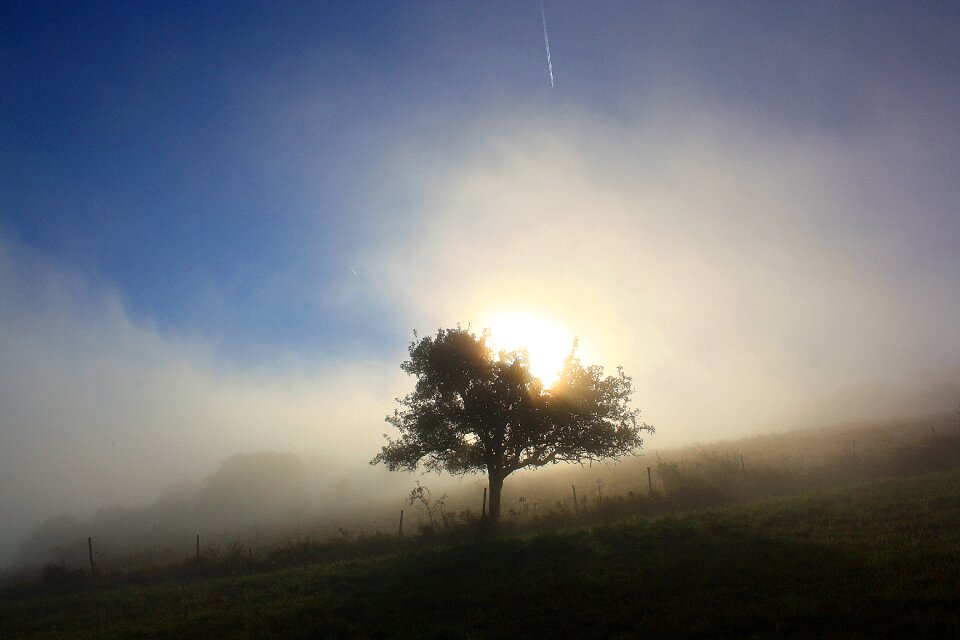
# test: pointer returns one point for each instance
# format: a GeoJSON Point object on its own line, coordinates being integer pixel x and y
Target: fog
{"type": "Point", "coordinates": [99, 410]}
{"type": "Point", "coordinates": [748, 279]}
{"type": "Point", "coordinates": [787, 306]}
{"type": "Point", "coordinates": [753, 212]}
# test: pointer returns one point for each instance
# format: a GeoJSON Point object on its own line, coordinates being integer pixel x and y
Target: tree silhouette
{"type": "Point", "coordinates": [474, 411]}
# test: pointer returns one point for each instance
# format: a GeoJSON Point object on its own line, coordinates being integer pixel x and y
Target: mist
{"type": "Point", "coordinates": [99, 410]}
{"type": "Point", "coordinates": [749, 280]}
{"type": "Point", "coordinates": [758, 223]}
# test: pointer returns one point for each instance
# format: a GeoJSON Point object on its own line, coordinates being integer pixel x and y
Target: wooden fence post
{"type": "Point", "coordinates": [400, 530]}
{"type": "Point", "coordinates": [576, 507]}
{"type": "Point", "coordinates": [90, 550]}
{"type": "Point", "coordinates": [198, 546]}
{"type": "Point", "coordinates": [483, 507]}
{"type": "Point", "coordinates": [742, 467]}
{"type": "Point", "coordinates": [649, 482]}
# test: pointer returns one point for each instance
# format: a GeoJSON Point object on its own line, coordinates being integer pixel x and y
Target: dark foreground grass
{"type": "Point", "coordinates": [874, 560]}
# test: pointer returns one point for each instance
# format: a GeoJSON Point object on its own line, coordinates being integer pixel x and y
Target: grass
{"type": "Point", "coordinates": [878, 559]}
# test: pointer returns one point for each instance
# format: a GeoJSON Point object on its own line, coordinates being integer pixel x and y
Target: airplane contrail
{"type": "Point", "coordinates": [546, 42]}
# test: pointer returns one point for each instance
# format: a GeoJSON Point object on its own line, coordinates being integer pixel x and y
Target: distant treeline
{"type": "Point", "coordinates": [248, 496]}
{"type": "Point", "coordinates": [258, 504]}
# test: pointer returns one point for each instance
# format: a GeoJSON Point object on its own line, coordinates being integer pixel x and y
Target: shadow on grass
{"type": "Point", "coordinates": [880, 560]}
{"type": "Point", "coordinates": [669, 580]}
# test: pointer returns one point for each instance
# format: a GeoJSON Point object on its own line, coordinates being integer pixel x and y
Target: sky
{"type": "Point", "coordinates": [221, 221]}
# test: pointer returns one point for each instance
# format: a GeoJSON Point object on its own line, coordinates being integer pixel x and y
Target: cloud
{"type": "Point", "coordinates": [747, 279]}
{"type": "Point", "coordinates": [99, 410]}
{"type": "Point", "coordinates": [744, 277]}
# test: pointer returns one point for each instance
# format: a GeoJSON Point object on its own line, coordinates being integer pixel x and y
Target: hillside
{"type": "Point", "coordinates": [259, 502]}
{"type": "Point", "coordinates": [880, 558]}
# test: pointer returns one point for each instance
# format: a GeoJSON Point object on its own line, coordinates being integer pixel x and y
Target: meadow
{"type": "Point", "coordinates": [872, 550]}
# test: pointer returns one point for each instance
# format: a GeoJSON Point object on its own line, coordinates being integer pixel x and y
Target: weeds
{"type": "Point", "coordinates": [692, 479]}
{"type": "Point", "coordinates": [861, 561]}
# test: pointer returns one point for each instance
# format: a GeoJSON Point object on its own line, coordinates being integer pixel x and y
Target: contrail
{"type": "Point", "coordinates": [546, 42]}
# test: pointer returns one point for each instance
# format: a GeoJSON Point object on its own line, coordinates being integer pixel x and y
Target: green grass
{"type": "Point", "coordinates": [880, 559]}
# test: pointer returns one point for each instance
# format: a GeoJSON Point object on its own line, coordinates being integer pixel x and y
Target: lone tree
{"type": "Point", "coordinates": [472, 410]}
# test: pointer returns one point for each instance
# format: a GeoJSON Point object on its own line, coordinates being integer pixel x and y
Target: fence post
{"type": "Point", "coordinates": [90, 550]}
{"type": "Point", "coordinates": [198, 546]}
{"type": "Point", "coordinates": [649, 482]}
{"type": "Point", "coordinates": [576, 507]}
{"type": "Point", "coordinates": [483, 507]}
{"type": "Point", "coordinates": [400, 530]}
{"type": "Point", "coordinates": [742, 467]}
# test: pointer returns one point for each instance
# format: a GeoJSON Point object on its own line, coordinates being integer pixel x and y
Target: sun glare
{"type": "Point", "coordinates": [547, 344]}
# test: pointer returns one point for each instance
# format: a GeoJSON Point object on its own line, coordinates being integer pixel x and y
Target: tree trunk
{"type": "Point", "coordinates": [496, 484]}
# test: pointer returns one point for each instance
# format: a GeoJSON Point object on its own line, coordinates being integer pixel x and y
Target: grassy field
{"type": "Point", "coordinates": [877, 559]}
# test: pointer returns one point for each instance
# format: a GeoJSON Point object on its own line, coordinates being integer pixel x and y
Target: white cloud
{"type": "Point", "coordinates": [98, 410]}
{"type": "Point", "coordinates": [747, 280]}
{"type": "Point", "coordinates": [742, 277]}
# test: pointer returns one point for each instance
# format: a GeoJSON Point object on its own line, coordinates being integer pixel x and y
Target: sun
{"type": "Point", "coordinates": [548, 344]}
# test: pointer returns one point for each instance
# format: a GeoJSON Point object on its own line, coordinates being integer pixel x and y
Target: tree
{"type": "Point", "coordinates": [475, 411]}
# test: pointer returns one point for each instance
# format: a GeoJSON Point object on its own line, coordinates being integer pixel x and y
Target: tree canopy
{"type": "Point", "coordinates": [472, 410]}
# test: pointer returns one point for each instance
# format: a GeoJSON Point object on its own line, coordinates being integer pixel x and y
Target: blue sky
{"type": "Point", "coordinates": [752, 206]}
{"type": "Point", "coordinates": [212, 161]}
{"type": "Point", "coordinates": [160, 147]}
